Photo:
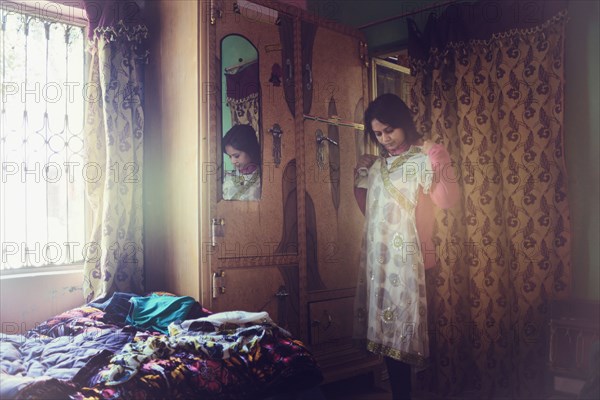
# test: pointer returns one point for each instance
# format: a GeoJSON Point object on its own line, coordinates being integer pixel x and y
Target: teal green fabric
{"type": "Point", "coordinates": [157, 312]}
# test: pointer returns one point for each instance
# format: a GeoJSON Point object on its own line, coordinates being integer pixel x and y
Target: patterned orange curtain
{"type": "Point", "coordinates": [495, 100]}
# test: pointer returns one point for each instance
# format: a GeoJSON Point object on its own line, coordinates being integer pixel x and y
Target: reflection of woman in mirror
{"type": "Point", "coordinates": [241, 145]}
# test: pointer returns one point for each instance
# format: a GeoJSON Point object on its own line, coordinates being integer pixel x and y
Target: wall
{"type": "Point", "coordinates": [171, 148]}
{"type": "Point", "coordinates": [26, 301]}
{"type": "Point", "coordinates": [582, 129]}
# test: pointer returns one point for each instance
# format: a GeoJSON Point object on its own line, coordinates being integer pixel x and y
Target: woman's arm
{"type": "Point", "coordinates": [361, 179]}
{"type": "Point", "coordinates": [444, 188]}
{"type": "Point", "coordinates": [360, 194]}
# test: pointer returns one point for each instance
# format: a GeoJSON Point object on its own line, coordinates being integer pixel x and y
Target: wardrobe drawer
{"type": "Point", "coordinates": [331, 320]}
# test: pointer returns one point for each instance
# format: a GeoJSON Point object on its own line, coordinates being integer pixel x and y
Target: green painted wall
{"type": "Point", "coordinates": [582, 129]}
{"type": "Point", "coordinates": [384, 37]}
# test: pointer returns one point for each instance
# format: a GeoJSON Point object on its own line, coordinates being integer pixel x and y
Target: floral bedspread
{"type": "Point", "coordinates": [217, 357]}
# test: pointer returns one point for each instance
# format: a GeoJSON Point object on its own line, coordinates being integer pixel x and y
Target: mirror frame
{"type": "Point", "coordinates": [385, 64]}
{"type": "Point", "coordinates": [373, 148]}
{"type": "Point", "coordinates": [222, 127]}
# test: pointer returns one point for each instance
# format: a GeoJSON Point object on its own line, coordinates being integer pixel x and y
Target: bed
{"type": "Point", "coordinates": [110, 350]}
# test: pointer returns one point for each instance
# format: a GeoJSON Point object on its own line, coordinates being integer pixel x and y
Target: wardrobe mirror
{"type": "Point", "coordinates": [389, 78]}
{"type": "Point", "coordinates": [240, 119]}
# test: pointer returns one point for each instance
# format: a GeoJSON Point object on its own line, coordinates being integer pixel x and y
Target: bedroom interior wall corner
{"type": "Point", "coordinates": [173, 145]}
{"type": "Point", "coordinates": [154, 174]}
{"type": "Point", "coordinates": [581, 127]}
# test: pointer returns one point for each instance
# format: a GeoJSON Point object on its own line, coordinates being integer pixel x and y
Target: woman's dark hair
{"type": "Point", "coordinates": [243, 138]}
{"type": "Point", "coordinates": [389, 109]}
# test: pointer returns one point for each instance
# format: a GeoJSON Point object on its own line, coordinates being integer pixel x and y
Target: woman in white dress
{"type": "Point", "coordinates": [397, 193]}
{"type": "Point", "coordinates": [241, 145]}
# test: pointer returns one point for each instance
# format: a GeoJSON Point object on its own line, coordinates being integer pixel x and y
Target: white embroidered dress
{"type": "Point", "coordinates": [391, 306]}
{"type": "Point", "coordinates": [238, 186]}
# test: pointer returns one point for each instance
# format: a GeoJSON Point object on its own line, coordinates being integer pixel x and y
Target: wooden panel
{"type": "Point", "coordinates": [331, 341]}
{"type": "Point", "coordinates": [273, 289]}
{"type": "Point", "coordinates": [258, 241]}
{"type": "Point", "coordinates": [256, 226]}
{"type": "Point", "coordinates": [338, 230]}
{"type": "Point", "coordinates": [331, 320]}
{"type": "Point", "coordinates": [312, 18]}
{"type": "Point", "coordinates": [571, 347]}
{"type": "Point", "coordinates": [573, 343]}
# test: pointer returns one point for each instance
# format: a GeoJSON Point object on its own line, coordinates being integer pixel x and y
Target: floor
{"type": "Point", "coordinates": [362, 388]}
{"type": "Point", "coordinates": [357, 388]}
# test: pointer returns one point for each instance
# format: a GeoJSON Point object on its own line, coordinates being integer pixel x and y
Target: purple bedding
{"type": "Point", "coordinates": [76, 355]}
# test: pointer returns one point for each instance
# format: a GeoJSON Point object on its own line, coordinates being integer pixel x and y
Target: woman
{"type": "Point", "coordinates": [396, 192]}
{"type": "Point", "coordinates": [241, 145]}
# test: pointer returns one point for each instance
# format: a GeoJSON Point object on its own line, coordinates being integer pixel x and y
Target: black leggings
{"type": "Point", "coordinates": [400, 378]}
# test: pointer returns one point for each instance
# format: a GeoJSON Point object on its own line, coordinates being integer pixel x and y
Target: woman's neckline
{"type": "Point", "coordinates": [249, 169]}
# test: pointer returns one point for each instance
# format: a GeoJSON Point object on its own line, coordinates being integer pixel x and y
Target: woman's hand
{"type": "Point", "coordinates": [427, 144]}
{"type": "Point", "coordinates": [365, 161]}
{"type": "Point", "coordinates": [361, 174]}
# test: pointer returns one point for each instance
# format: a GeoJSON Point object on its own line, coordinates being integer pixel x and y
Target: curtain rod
{"type": "Point", "coordinates": [240, 65]}
{"type": "Point", "coordinates": [67, 11]}
{"type": "Point", "coordinates": [408, 13]}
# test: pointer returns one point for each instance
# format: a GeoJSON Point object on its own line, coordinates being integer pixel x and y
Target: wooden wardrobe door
{"type": "Point", "coordinates": [253, 253]}
{"type": "Point", "coordinates": [334, 222]}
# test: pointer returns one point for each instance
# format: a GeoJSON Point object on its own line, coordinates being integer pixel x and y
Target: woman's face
{"type": "Point", "coordinates": [391, 138]}
{"type": "Point", "coordinates": [240, 159]}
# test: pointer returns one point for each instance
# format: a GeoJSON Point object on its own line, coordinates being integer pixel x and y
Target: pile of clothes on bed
{"type": "Point", "coordinates": [154, 347]}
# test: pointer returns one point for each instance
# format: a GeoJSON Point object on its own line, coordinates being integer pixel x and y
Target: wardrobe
{"type": "Point", "coordinates": [301, 81]}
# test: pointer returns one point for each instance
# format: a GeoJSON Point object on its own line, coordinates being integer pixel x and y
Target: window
{"type": "Point", "coordinates": [42, 202]}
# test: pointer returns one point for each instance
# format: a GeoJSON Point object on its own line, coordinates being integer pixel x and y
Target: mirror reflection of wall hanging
{"type": "Point", "coordinates": [240, 119]}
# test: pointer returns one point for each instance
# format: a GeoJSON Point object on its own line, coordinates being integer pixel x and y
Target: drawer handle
{"type": "Point", "coordinates": [329, 320]}
{"type": "Point", "coordinates": [317, 323]}
{"type": "Point", "coordinates": [579, 350]}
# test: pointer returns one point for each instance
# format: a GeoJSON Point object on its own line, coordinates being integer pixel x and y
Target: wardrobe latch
{"type": "Point", "coordinates": [215, 230]}
{"type": "Point", "coordinates": [218, 286]}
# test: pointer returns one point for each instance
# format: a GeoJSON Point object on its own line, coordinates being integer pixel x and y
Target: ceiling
{"type": "Point", "coordinates": [384, 37]}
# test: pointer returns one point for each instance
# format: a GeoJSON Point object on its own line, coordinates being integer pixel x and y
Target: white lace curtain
{"type": "Point", "coordinates": [113, 137]}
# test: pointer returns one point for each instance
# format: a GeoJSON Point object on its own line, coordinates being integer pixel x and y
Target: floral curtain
{"type": "Point", "coordinates": [243, 95]}
{"type": "Point", "coordinates": [492, 93]}
{"type": "Point", "coordinates": [113, 137]}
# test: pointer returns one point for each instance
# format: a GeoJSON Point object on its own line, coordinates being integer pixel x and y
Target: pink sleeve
{"type": "Point", "coordinates": [425, 219]}
{"type": "Point", "coordinates": [444, 189]}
